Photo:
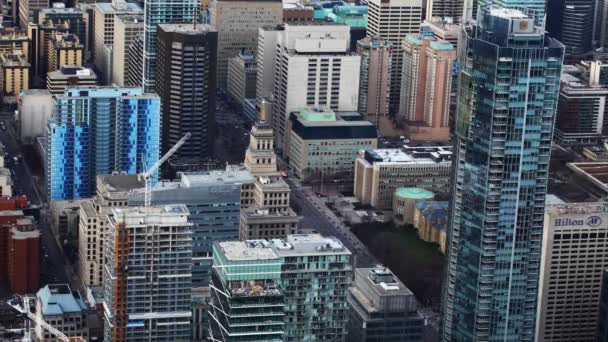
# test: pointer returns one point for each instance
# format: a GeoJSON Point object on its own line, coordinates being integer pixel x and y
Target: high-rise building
{"type": "Point", "coordinates": [571, 22]}
{"type": "Point", "coordinates": [27, 9]}
{"type": "Point", "coordinates": [254, 295]}
{"type": "Point", "coordinates": [158, 12]}
{"type": "Point", "coordinates": [104, 19]}
{"type": "Point", "coordinates": [382, 308]}
{"type": "Point", "coordinates": [64, 49]}
{"type": "Point", "coordinates": [135, 58]}
{"type": "Point", "coordinates": [99, 130]}
{"type": "Point", "coordinates": [509, 84]}
{"type": "Point", "coordinates": [14, 40]}
{"type": "Point", "coordinates": [186, 86]}
{"type": "Point", "coordinates": [237, 23]}
{"type": "Point", "coordinates": [148, 281]}
{"type": "Point", "coordinates": [314, 67]}
{"type": "Point", "coordinates": [14, 75]}
{"type": "Point", "coordinates": [242, 77]}
{"type": "Point", "coordinates": [573, 261]}
{"type": "Point", "coordinates": [268, 38]}
{"type": "Point", "coordinates": [532, 8]}
{"type": "Point", "coordinates": [426, 85]}
{"type": "Point", "coordinates": [392, 20]}
{"type": "Point", "coordinates": [600, 24]}
{"type": "Point", "coordinates": [602, 322]}
{"type": "Point", "coordinates": [452, 9]}
{"type": "Point", "coordinates": [23, 259]}
{"type": "Point", "coordinates": [374, 85]}
{"type": "Point", "coordinates": [127, 28]}
{"type": "Point", "coordinates": [69, 76]}
{"type": "Point", "coordinates": [214, 201]}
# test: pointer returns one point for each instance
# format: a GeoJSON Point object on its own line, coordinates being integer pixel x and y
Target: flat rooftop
{"type": "Point", "coordinates": [121, 182]}
{"type": "Point", "coordinates": [595, 172]}
{"type": "Point", "coordinates": [247, 250]}
{"type": "Point", "coordinates": [410, 155]}
{"type": "Point", "coordinates": [188, 28]}
{"type": "Point", "coordinates": [216, 177]}
{"type": "Point", "coordinates": [123, 7]}
{"type": "Point", "coordinates": [382, 281]}
{"type": "Point", "coordinates": [576, 208]}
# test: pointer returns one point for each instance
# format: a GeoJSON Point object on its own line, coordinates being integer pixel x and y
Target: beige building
{"type": "Point", "coordinates": [323, 143]}
{"type": "Point", "coordinates": [426, 86]}
{"type": "Point", "coordinates": [379, 172]}
{"type": "Point", "coordinates": [64, 49]}
{"type": "Point", "coordinates": [237, 23]}
{"type": "Point", "coordinates": [14, 41]}
{"type": "Point", "coordinates": [69, 76]}
{"type": "Point", "coordinates": [14, 74]}
{"type": "Point", "coordinates": [126, 28]}
{"type": "Point", "coordinates": [112, 191]}
{"type": "Point", "coordinates": [374, 85]}
{"type": "Point", "coordinates": [242, 77]}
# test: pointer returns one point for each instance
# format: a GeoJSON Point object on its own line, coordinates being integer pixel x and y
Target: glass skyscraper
{"type": "Point", "coordinates": [534, 8]}
{"type": "Point", "coordinates": [162, 12]}
{"type": "Point", "coordinates": [508, 87]}
{"type": "Point", "coordinates": [96, 131]}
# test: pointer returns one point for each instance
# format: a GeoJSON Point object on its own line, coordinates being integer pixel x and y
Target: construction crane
{"type": "Point", "coordinates": [148, 174]}
{"type": "Point", "coordinates": [25, 309]}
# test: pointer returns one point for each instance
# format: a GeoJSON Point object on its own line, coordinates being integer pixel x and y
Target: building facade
{"type": "Point", "coordinates": [64, 49]}
{"type": "Point", "coordinates": [64, 309]}
{"type": "Point", "coordinates": [127, 27]}
{"type": "Point", "coordinates": [602, 322]}
{"type": "Point", "coordinates": [14, 75]}
{"type": "Point", "coordinates": [186, 86]}
{"type": "Point", "coordinates": [135, 58]}
{"type": "Point", "coordinates": [69, 76]}
{"type": "Point", "coordinates": [153, 302]}
{"type": "Point", "coordinates": [504, 126]}
{"type": "Point", "coordinates": [242, 73]}
{"type": "Point", "coordinates": [97, 131]}
{"type": "Point", "coordinates": [571, 22]}
{"type": "Point", "coordinates": [379, 172]}
{"type": "Point", "coordinates": [374, 85]}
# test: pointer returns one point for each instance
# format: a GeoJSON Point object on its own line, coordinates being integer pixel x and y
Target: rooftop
{"type": "Point", "coordinates": [409, 155]}
{"type": "Point", "coordinates": [247, 250]}
{"type": "Point", "coordinates": [507, 13]}
{"type": "Point", "coordinates": [120, 182]}
{"type": "Point", "coordinates": [70, 71]}
{"type": "Point", "coordinates": [119, 7]}
{"type": "Point", "coordinates": [383, 281]}
{"type": "Point", "coordinates": [59, 299]}
{"type": "Point", "coordinates": [216, 177]}
{"type": "Point", "coordinates": [577, 208]}
{"type": "Point", "coordinates": [596, 172]}
{"type": "Point", "coordinates": [415, 193]}
{"type": "Point", "coordinates": [188, 28]}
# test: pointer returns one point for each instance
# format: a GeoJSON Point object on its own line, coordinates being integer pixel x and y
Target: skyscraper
{"type": "Point", "coordinates": [148, 280]}
{"type": "Point", "coordinates": [99, 130]}
{"type": "Point", "coordinates": [126, 29]}
{"type": "Point", "coordinates": [533, 8]}
{"type": "Point", "coordinates": [186, 86]}
{"type": "Point", "coordinates": [571, 22]}
{"type": "Point", "coordinates": [158, 12]}
{"type": "Point", "coordinates": [375, 78]}
{"type": "Point", "coordinates": [237, 23]}
{"type": "Point", "coordinates": [392, 20]}
{"type": "Point", "coordinates": [509, 81]}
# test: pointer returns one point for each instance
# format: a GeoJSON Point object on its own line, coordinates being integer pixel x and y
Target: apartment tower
{"type": "Point", "coordinates": [375, 78]}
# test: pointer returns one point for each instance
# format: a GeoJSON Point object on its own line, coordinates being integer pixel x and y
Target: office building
{"type": "Point", "coordinates": [86, 137]}
{"type": "Point", "coordinates": [27, 9]}
{"type": "Point", "coordinates": [374, 85]}
{"type": "Point", "coordinates": [314, 67]}
{"type": "Point", "coordinates": [14, 75]}
{"type": "Point", "coordinates": [127, 27]}
{"type": "Point", "coordinates": [441, 29]}
{"type": "Point", "coordinates": [571, 23]}
{"type": "Point", "coordinates": [294, 12]}
{"type": "Point", "coordinates": [135, 59]}
{"type": "Point", "coordinates": [237, 23]}
{"type": "Point", "coordinates": [242, 77]}
{"type": "Point", "coordinates": [19, 248]}
{"type": "Point", "coordinates": [14, 40]}
{"type": "Point", "coordinates": [581, 111]}
{"type": "Point", "coordinates": [393, 20]}
{"type": "Point", "coordinates": [214, 201]}
{"type": "Point", "coordinates": [153, 301]}
{"type": "Point", "coordinates": [323, 143]}
{"type": "Point", "coordinates": [64, 309]}
{"type": "Point", "coordinates": [573, 241]}
{"type": "Point", "coordinates": [34, 108]}
{"type": "Point", "coordinates": [64, 49]}
{"type": "Point", "coordinates": [257, 276]}
{"type": "Point", "coordinates": [69, 76]}
{"type": "Point", "coordinates": [161, 12]}
{"type": "Point", "coordinates": [502, 150]}
{"type": "Point", "coordinates": [381, 308]}
{"type": "Point", "coordinates": [268, 38]}
{"type": "Point", "coordinates": [602, 322]}
{"type": "Point", "coordinates": [448, 9]}
{"type": "Point", "coordinates": [379, 172]}
{"type": "Point", "coordinates": [187, 89]}
{"type": "Point", "coordinates": [105, 14]}
{"type": "Point", "coordinates": [426, 87]}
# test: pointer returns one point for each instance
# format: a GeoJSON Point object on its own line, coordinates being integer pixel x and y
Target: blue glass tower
{"type": "Point", "coordinates": [508, 87]}
{"type": "Point", "coordinates": [97, 131]}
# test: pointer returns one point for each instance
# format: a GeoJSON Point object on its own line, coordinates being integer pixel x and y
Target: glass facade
{"type": "Point", "coordinates": [508, 88]}
{"type": "Point", "coordinates": [98, 131]}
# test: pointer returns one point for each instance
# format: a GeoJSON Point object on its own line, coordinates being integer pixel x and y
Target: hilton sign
{"type": "Point", "coordinates": [591, 221]}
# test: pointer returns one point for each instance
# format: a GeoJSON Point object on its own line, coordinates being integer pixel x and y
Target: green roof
{"type": "Point", "coordinates": [317, 116]}
{"type": "Point", "coordinates": [413, 39]}
{"type": "Point", "coordinates": [442, 46]}
{"type": "Point", "coordinates": [415, 193]}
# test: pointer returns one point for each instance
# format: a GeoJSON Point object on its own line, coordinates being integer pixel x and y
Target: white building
{"type": "Point", "coordinates": [392, 20]}
{"type": "Point", "coordinates": [35, 110]}
{"type": "Point", "coordinates": [313, 67]}
{"type": "Point", "coordinates": [574, 255]}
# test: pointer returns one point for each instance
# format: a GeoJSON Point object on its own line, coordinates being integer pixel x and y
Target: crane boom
{"type": "Point", "coordinates": [15, 305]}
{"type": "Point", "coordinates": [148, 173]}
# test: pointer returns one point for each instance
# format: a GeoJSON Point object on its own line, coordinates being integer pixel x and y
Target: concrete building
{"type": "Point", "coordinates": [135, 58]}
{"type": "Point", "coordinates": [374, 85]}
{"type": "Point", "coordinates": [451, 10]}
{"type": "Point", "coordinates": [64, 309]}
{"type": "Point", "coordinates": [14, 76]}
{"type": "Point", "coordinates": [27, 9]}
{"type": "Point", "coordinates": [186, 86]}
{"type": "Point", "coordinates": [22, 240]}
{"type": "Point", "coordinates": [127, 27]}
{"type": "Point", "coordinates": [14, 40]}
{"type": "Point", "coordinates": [572, 266]}
{"type": "Point", "coordinates": [68, 76]}
{"type": "Point", "coordinates": [153, 302]}
{"type": "Point", "coordinates": [602, 322]}
{"type": "Point", "coordinates": [296, 12]}
{"type": "Point", "coordinates": [405, 201]}
{"type": "Point", "coordinates": [431, 222]}
{"type": "Point", "coordinates": [426, 87]}
{"type": "Point", "coordinates": [64, 49]}
{"type": "Point", "coordinates": [572, 23]}
{"type": "Point", "coordinates": [323, 143]}
{"type": "Point", "coordinates": [237, 23]}
{"type": "Point", "coordinates": [379, 172]}
{"type": "Point", "coordinates": [34, 109]}
{"type": "Point", "coordinates": [266, 56]}
{"type": "Point", "coordinates": [393, 20]}
{"type": "Point", "coordinates": [258, 275]}
{"type": "Point", "coordinates": [242, 73]}
{"type": "Point", "coordinates": [314, 67]}
{"type": "Point", "coordinates": [104, 19]}
{"type": "Point", "coordinates": [214, 201]}
{"type": "Point", "coordinates": [381, 308]}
